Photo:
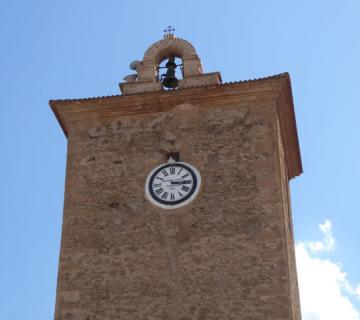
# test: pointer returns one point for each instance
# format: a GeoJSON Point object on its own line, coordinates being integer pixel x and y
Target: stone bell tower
{"type": "Point", "coordinates": [177, 202]}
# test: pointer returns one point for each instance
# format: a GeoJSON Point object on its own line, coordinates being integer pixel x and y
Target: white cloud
{"type": "Point", "coordinates": [324, 288]}
{"type": "Point", "coordinates": [328, 243]}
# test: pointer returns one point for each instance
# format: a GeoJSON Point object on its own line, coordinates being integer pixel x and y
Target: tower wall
{"type": "Point", "coordinates": [227, 255]}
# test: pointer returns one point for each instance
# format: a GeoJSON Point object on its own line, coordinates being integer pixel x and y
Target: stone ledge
{"type": "Point", "coordinates": [205, 79]}
{"type": "Point", "coordinates": [150, 86]}
{"type": "Point", "coordinates": [136, 87]}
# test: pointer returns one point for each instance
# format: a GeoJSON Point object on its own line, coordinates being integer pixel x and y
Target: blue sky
{"type": "Point", "coordinates": [69, 49]}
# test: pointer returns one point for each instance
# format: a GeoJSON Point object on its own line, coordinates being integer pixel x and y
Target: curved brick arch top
{"type": "Point", "coordinates": [159, 50]}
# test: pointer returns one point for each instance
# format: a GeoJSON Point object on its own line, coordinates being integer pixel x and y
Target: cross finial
{"type": "Point", "coordinates": [169, 32]}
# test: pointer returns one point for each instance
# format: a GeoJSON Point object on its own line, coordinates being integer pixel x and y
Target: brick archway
{"type": "Point", "coordinates": [159, 50]}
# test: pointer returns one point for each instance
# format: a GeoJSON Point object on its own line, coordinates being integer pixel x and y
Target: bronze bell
{"type": "Point", "coordinates": [169, 79]}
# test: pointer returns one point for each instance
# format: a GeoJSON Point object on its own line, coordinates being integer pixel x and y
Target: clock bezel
{"type": "Point", "coordinates": [150, 195]}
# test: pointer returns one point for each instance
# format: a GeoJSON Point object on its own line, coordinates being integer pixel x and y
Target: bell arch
{"type": "Point", "coordinates": [147, 79]}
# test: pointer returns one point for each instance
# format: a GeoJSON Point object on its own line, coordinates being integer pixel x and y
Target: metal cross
{"type": "Point", "coordinates": [169, 30]}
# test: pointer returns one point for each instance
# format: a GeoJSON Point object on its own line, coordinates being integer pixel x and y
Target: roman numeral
{"type": "Point", "coordinates": [185, 188]}
{"type": "Point", "coordinates": [181, 195]}
{"type": "Point", "coordinates": [180, 170]}
{"type": "Point", "coordinates": [172, 170]}
{"type": "Point", "coordinates": [159, 191]}
{"type": "Point", "coordinates": [164, 172]}
{"type": "Point", "coordinates": [187, 182]}
{"type": "Point", "coordinates": [172, 197]}
{"type": "Point", "coordinates": [185, 175]}
{"type": "Point", "coordinates": [164, 196]}
{"type": "Point", "coordinates": [156, 185]}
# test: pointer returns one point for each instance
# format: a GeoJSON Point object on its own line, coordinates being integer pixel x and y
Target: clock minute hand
{"type": "Point", "coordinates": [186, 182]}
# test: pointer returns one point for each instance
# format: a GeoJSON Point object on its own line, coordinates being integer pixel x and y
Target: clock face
{"type": "Point", "coordinates": [172, 185]}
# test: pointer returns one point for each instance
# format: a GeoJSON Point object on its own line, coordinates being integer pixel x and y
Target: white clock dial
{"type": "Point", "coordinates": [172, 185]}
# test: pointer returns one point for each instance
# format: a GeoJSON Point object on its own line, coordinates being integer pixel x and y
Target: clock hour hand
{"type": "Point", "coordinates": [180, 182]}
